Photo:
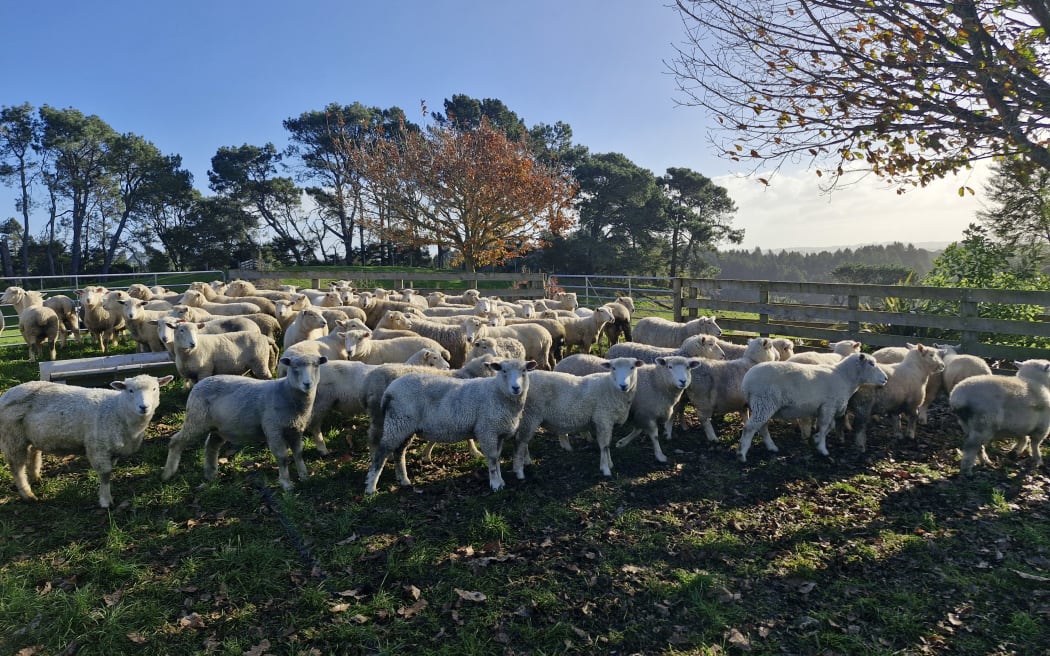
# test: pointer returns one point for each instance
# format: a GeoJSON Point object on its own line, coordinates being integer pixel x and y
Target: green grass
{"type": "Point", "coordinates": [878, 553]}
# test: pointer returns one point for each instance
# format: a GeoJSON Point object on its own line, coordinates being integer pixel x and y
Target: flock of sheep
{"type": "Point", "coordinates": [468, 368]}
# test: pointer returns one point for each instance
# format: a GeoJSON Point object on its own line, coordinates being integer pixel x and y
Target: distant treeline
{"type": "Point", "coordinates": [883, 264]}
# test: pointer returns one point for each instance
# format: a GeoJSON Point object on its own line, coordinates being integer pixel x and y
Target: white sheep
{"type": "Point", "coordinates": [42, 417]}
{"type": "Point", "coordinates": [839, 350]}
{"type": "Point", "coordinates": [535, 338]}
{"type": "Point", "coordinates": [582, 332]}
{"type": "Point", "coordinates": [468, 297]}
{"type": "Point", "coordinates": [499, 348]}
{"type": "Point", "coordinates": [103, 324]}
{"type": "Point", "coordinates": [789, 390]}
{"type": "Point", "coordinates": [565, 404]}
{"type": "Point", "coordinates": [332, 346]}
{"type": "Point", "coordinates": [309, 323]}
{"type": "Point", "coordinates": [166, 328]}
{"type": "Point", "coordinates": [784, 347]}
{"type": "Point", "coordinates": [716, 385]}
{"type": "Point", "coordinates": [195, 298]}
{"type": "Point", "coordinates": [960, 366]}
{"type": "Point", "coordinates": [452, 338]}
{"type": "Point", "coordinates": [621, 310]}
{"type": "Point", "coordinates": [561, 301]}
{"type": "Point", "coordinates": [697, 346]}
{"type": "Point", "coordinates": [660, 386]}
{"type": "Point", "coordinates": [242, 288]}
{"type": "Point", "coordinates": [199, 356]}
{"type": "Point", "coordinates": [902, 394]}
{"type": "Point", "coordinates": [661, 332]}
{"type": "Point", "coordinates": [341, 388]}
{"type": "Point", "coordinates": [66, 309]}
{"type": "Point", "coordinates": [142, 325]}
{"type": "Point", "coordinates": [992, 407]}
{"type": "Point", "coordinates": [361, 347]}
{"type": "Point", "coordinates": [894, 355]}
{"type": "Point", "coordinates": [38, 324]}
{"type": "Point", "coordinates": [449, 410]}
{"type": "Point", "coordinates": [248, 411]}
{"type": "Point", "coordinates": [211, 295]}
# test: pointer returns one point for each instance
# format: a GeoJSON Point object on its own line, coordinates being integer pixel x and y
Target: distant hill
{"type": "Point", "coordinates": [926, 245]}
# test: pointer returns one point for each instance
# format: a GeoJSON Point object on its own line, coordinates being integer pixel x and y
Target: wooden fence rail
{"type": "Point", "coordinates": [518, 285]}
{"type": "Point", "coordinates": [832, 312]}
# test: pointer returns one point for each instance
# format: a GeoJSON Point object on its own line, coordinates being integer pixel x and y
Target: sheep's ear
{"type": "Point", "coordinates": [606, 365]}
{"type": "Point", "coordinates": [661, 361]}
{"type": "Point", "coordinates": [118, 385]}
{"type": "Point", "coordinates": [286, 361]}
{"type": "Point", "coordinates": [530, 365]}
{"type": "Point", "coordinates": [164, 380]}
{"type": "Point", "coordinates": [693, 364]}
{"type": "Point", "coordinates": [638, 363]}
{"type": "Point", "coordinates": [910, 345]}
{"type": "Point", "coordinates": [495, 366]}
{"type": "Point", "coordinates": [321, 360]}
{"type": "Point", "coordinates": [200, 325]}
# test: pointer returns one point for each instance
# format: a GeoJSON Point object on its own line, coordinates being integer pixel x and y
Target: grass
{"type": "Point", "coordinates": [879, 553]}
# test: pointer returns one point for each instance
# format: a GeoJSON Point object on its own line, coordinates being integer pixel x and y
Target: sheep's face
{"type": "Point", "coordinates": [302, 371]}
{"type": "Point", "coordinates": [513, 375]}
{"type": "Point", "coordinates": [355, 341]}
{"type": "Point", "coordinates": [871, 373]}
{"type": "Point", "coordinates": [186, 335]}
{"type": "Point", "coordinates": [13, 295]}
{"type": "Point", "coordinates": [709, 327]}
{"type": "Point", "coordinates": [141, 393]}
{"type": "Point", "coordinates": [133, 308]}
{"type": "Point", "coordinates": [679, 369]}
{"type": "Point", "coordinates": [624, 372]}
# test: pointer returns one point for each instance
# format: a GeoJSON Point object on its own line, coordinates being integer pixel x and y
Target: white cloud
{"type": "Point", "coordinates": [793, 212]}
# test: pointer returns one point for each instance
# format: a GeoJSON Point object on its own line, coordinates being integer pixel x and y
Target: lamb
{"type": "Point", "coordinates": [784, 347]}
{"type": "Point", "coordinates": [375, 308]}
{"type": "Point", "coordinates": [582, 332]}
{"type": "Point", "coordinates": [959, 366]}
{"type": "Point", "coordinates": [449, 409]}
{"type": "Point", "coordinates": [580, 364]}
{"type": "Point", "coordinates": [411, 296]}
{"type": "Point", "coordinates": [660, 386]}
{"type": "Point", "coordinates": [332, 346]}
{"type": "Point", "coordinates": [451, 338]}
{"type": "Point", "coordinates": [266, 324]}
{"type": "Point", "coordinates": [66, 310]}
{"type": "Point", "coordinates": [839, 350]}
{"type": "Point", "coordinates": [247, 411]}
{"type": "Point", "coordinates": [902, 394]}
{"type": "Point", "coordinates": [553, 326]}
{"type": "Point", "coordinates": [195, 298]}
{"type": "Point", "coordinates": [468, 297]}
{"type": "Point", "coordinates": [341, 387]}
{"type": "Point", "coordinates": [499, 348]}
{"type": "Point", "coordinates": [894, 355]}
{"type": "Point", "coordinates": [166, 328]}
{"type": "Point", "coordinates": [990, 407]}
{"type": "Point", "coordinates": [561, 301]}
{"type": "Point", "coordinates": [198, 356]}
{"type": "Point", "coordinates": [621, 309]}
{"type": "Point", "coordinates": [661, 332]}
{"type": "Point", "coordinates": [308, 324]}
{"type": "Point", "coordinates": [536, 340]}
{"type": "Point", "coordinates": [100, 321]}
{"type": "Point", "coordinates": [790, 390]}
{"type": "Point", "coordinates": [211, 295]}
{"type": "Point", "coordinates": [697, 346]}
{"type": "Point", "coordinates": [38, 324]}
{"type": "Point", "coordinates": [42, 417]}
{"type": "Point", "coordinates": [564, 404]}
{"type": "Point", "coordinates": [716, 385]}
{"type": "Point", "coordinates": [361, 347]}
{"type": "Point", "coordinates": [286, 311]}
{"type": "Point", "coordinates": [142, 325]}
{"type": "Point", "coordinates": [243, 288]}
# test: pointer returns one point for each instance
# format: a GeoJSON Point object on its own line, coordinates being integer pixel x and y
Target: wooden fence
{"type": "Point", "coordinates": [832, 312]}
{"type": "Point", "coordinates": [507, 285]}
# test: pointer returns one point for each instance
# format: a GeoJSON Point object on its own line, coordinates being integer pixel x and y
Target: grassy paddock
{"type": "Point", "coordinates": [883, 553]}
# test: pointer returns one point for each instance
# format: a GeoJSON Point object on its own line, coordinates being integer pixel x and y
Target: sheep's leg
{"type": "Point", "coordinates": [16, 460]}
{"type": "Point", "coordinates": [604, 438]}
{"type": "Point", "coordinates": [563, 442]}
{"type": "Point", "coordinates": [709, 430]}
{"type": "Point", "coordinates": [279, 447]}
{"type": "Point", "coordinates": [654, 437]}
{"type": "Point", "coordinates": [473, 448]}
{"type": "Point", "coordinates": [318, 437]}
{"type": "Point", "coordinates": [826, 419]}
{"type": "Point", "coordinates": [624, 441]}
{"type": "Point", "coordinates": [402, 468]}
{"type": "Point", "coordinates": [493, 446]}
{"type": "Point", "coordinates": [767, 439]}
{"type": "Point", "coordinates": [428, 452]}
{"type": "Point", "coordinates": [295, 441]}
{"type": "Point", "coordinates": [1021, 445]}
{"type": "Point", "coordinates": [973, 446]}
{"type": "Point", "coordinates": [103, 466]}
{"type": "Point", "coordinates": [36, 464]}
{"type": "Point", "coordinates": [668, 428]}
{"type": "Point", "coordinates": [379, 456]}
{"type": "Point", "coordinates": [51, 343]}
{"type": "Point", "coordinates": [212, 444]}
{"type": "Point", "coordinates": [521, 455]}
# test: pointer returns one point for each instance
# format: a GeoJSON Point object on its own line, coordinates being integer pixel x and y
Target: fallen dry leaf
{"type": "Point", "coordinates": [471, 596]}
{"type": "Point", "coordinates": [412, 591]}
{"type": "Point", "coordinates": [409, 611]}
{"type": "Point", "coordinates": [113, 598]}
{"type": "Point", "coordinates": [30, 651]}
{"type": "Point", "coordinates": [738, 639]}
{"type": "Point", "coordinates": [191, 621]}
{"type": "Point", "coordinates": [260, 649]}
{"type": "Point", "coordinates": [338, 608]}
{"type": "Point", "coordinates": [137, 638]}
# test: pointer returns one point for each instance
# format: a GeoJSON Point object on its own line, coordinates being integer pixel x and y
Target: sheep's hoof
{"type": "Point", "coordinates": [622, 442]}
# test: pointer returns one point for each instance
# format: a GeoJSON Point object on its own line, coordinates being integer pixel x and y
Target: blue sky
{"type": "Point", "coordinates": [192, 76]}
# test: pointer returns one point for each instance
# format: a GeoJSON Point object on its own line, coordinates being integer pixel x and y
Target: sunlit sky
{"type": "Point", "coordinates": [193, 76]}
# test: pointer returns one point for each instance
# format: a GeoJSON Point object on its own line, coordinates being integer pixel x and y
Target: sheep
{"type": "Point", "coordinates": [660, 387]}
{"type": "Point", "coordinates": [451, 338]}
{"type": "Point", "coordinates": [784, 347]}
{"type": "Point", "coordinates": [661, 332]}
{"type": "Point", "coordinates": [621, 309]}
{"type": "Point", "coordinates": [332, 346]}
{"type": "Point", "coordinates": [341, 387]}
{"type": "Point", "coordinates": [561, 301]}
{"type": "Point", "coordinates": [903, 392]}
{"type": "Point", "coordinates": [411, 296]}
{"type": "Point", "coordinates": [959, 366]}
{"type": "Point", "coordinates": [210, 295]}
{"type": "Point", "coordinates": [697, 346]}
{"type": "Point", "coordinates": [839, 350]}
{"type": "Point", "coordinates": [536, 339]}
{"type": "Point", "coordinates": [582, 332]}
{"type": "Point", "coordinates": [243, 288]}
{"type": "Point", "coordinates": [790, 390]}
{"type": "Point", "coordinates": [361, 347]}
{"type": "Point", "coordinates": [469, 297]}
{"type": "Point", "coordinates": [102, 323]}
{"type": "Point", "coordinates": [266, 324]}
{"type": "Point", "coordinates": [448, 409]}
{"type": "Point", "coordinates": [247, 411]}
{"type": "Point", "coordinates": [167, 324]}
{"type": "Point", "coordinates": [990, 407]}
{"type": "Point", "coordinates": [308, 324]}
{"type": "Point", "coordinates": [103, 424]}
{"type": "Point", "coordinates": [716, 385]}
{"type": "Point", "coordinates": [142, 325]}
{"type": "Point", "coordinates": [500, 348]}
{"type": "Point", "coordinates": [195, 298]}
{"type": "Point", "coordinates": [553, 326]}
{"type": "Point", "coordinates": [198, 356]}
{"type": "Point", "coordinates": [580, 364]}
{"type": "Point", "coordinates": [564, 404]}
{"type": "Point", "coordinates": [895, 355]}
{"type": "Point", "coordinates": [375, 308]}
{"type": "Point", "coordinates": [38, 324]}
{"type": "Point", "coordinates": [66, 309]}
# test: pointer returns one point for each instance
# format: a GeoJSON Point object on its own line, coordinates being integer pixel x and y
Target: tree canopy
{"type": "Point", "coordinates": [908, 90]}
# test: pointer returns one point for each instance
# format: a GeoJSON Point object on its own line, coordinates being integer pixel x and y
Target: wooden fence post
{"type": "Point", "coordinates": [853, 303]}
{"type": "Point", "coordinates": [763, 298]}
{"type": "Point", "coordinates": [968, 310]}
{"type": "Point", "coordinates": [676, 293]}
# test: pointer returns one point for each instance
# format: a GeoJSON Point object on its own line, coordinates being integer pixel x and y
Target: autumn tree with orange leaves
{"type": "Point", "coordinates": [474, 191]}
